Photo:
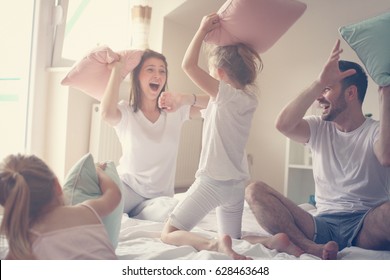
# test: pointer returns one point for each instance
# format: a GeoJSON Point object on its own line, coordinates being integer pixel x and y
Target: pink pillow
{"type": "Point", "coordinates": [91, 73]}
{"type": "Point", "coordinates": [258, 23]}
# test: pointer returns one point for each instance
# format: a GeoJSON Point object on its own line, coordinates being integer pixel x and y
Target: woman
{"type": "Point", "coordinates": [149, 135]}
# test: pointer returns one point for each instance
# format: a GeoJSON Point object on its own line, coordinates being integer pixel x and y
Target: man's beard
{"type": "Point", "coordinates": [335, 110]}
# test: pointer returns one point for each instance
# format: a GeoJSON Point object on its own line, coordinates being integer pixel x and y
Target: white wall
{"type": "Point", "coordinates": [159, 11]}
{"type": "Point", "coordinates": [67, 123]}
{"type": "Point", "coordinates": [190, 141]}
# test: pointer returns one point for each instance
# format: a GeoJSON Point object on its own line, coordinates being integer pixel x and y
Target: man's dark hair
{"type": "Point", "coordinates": [359, 79]}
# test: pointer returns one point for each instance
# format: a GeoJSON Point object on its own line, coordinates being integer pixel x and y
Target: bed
{"type": "Point", "coordinates": [139, 239]}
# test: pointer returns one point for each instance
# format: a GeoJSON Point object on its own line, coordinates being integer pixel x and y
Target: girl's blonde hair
{"type": "Point", "coordinates": [239, 61]}
{"type": "Point", "coordinates": [26, 187]}
{"type": "Point", "coordinates": [136, 91]}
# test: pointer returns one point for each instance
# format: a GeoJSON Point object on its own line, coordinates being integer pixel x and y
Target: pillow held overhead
{"type": "Point", "coordinates": [91, 73]}
{"type": "Point", "coordinates": [258, 23]}
{"type": "Point", "coordinates": [370, 39]}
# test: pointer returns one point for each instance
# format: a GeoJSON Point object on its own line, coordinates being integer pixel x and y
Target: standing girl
{"type": "Point", "coordinates": [38, 225]}
{"type": "Point", "coordinates": [223, 170]}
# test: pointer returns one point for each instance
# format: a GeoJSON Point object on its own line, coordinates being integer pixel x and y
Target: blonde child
{"type": "Point", "coordinates": [36, 222]}
{"type": "Point", "coordinates": [223, 171]}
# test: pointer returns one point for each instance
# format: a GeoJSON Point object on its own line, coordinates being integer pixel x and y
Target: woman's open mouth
{"type": "Point", "coordinates": [154, 86]}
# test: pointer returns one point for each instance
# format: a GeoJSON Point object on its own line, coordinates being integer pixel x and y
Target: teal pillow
{"type": "Point", "coordinates": [370, 39]}
{"type": "Point", "coordinates": [82, 184]}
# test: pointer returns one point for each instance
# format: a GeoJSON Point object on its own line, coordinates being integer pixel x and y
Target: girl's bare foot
{"type": "Point", "coordinates": [225, 246]}
{"type": "Point", "coordinates": [280, 242]}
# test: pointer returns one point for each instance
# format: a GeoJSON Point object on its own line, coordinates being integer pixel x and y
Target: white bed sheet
{"type": "Point", "coordinates": [140, 239]}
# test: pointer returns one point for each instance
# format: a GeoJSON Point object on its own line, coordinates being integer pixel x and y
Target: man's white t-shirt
{"type": "Point", "coordinates": [149, 150]}
{"type": "Point", "coordinates": [347, 174]}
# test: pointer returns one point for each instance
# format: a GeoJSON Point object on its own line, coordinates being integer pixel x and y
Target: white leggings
{"type": "Point", "coordinates": [131, 200]}
{"type": "Point", "coordinates": [204, 195]}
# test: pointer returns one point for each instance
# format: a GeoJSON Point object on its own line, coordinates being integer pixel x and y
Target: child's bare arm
{"type": "Point", "coordinates": [111, 193]}
{"type": "Point", "coordinates": [200, 77]}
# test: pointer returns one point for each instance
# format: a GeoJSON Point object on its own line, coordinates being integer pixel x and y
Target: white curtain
{"type": "Point", "coordinates": [141, 12]}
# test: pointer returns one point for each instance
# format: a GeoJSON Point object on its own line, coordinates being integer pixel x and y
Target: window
{"type": "Point", "coordinates": [89, 24]}
{"type": "Point", "coordinates": [15, 49]}
{"type": "Point", "coordinates": [85, 25]}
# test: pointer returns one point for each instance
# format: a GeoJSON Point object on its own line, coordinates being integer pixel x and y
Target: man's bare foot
{"type": "Point", "coordinates": [330, 250]}
{"type": "Point", "coordinates": [280, 242]}
{"type": "Point", "coordinates": [225, 246]}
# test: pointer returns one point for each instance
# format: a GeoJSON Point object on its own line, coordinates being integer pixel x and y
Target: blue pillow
{"type": "Point", "coordinates": [370, 39]}
{"type": "Point", "coordinates": [82, 183]}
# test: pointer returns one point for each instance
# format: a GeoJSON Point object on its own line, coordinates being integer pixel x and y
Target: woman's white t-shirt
{"type": "Point", "coordinates": [149, 150]}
